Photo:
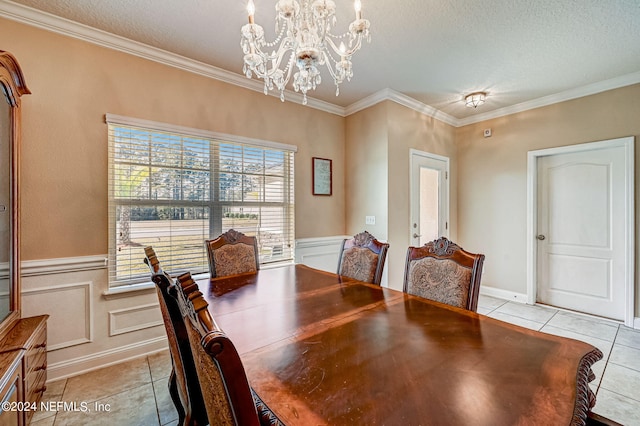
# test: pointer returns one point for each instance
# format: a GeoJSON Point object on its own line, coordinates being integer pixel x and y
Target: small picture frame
{"type": "Point", "coordinates": [321, 176]}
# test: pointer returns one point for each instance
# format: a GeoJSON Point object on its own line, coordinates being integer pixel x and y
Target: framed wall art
{"type": "Point", "coordinates": [321, 179]}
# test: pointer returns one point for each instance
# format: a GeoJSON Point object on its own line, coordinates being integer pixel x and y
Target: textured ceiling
{"type": "Point", "coordinates": [434, 51]}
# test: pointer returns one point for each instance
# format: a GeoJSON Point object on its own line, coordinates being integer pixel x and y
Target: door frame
{"type": "Point", "coordinates": [416, 152]}
{"type": "Point", "coordinates": [532, 215]}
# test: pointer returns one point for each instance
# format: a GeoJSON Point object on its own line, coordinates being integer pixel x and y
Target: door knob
{"type": "Point", "coordinates": [540, 237]}
{"type": "Point", "coordinates": [416, 235]}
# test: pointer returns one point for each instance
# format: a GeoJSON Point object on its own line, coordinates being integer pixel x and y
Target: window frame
{"type": "Point", "coordinates": [214, 204]}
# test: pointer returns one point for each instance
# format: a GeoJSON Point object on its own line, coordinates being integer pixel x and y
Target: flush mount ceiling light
{"type": "Point", "coordinates": [304, 41]}
{"type": "Point", "coordinates": [475, 99]}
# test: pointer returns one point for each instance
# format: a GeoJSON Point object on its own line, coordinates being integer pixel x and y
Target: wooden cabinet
{"type": "Point", "coordinates": [23, 341]}
{"type": "Point", "coordinates": [24, 368]}
{"type": "Point", "coordinates": [12, 87]}
{"type": "Point", "coordinates": [34, 364]}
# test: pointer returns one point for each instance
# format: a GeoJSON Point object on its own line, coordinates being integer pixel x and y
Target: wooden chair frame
{"type": "Point", "coordinates": [183, 383]}
{"type": "Point", "coordinates": [366, 240]}
{"type": "Point", "coordinates": [442, 248]}
{"type": "Point", "coordinates": [230, 237]}
{"type": "Point", "coordinates": [245, 406]}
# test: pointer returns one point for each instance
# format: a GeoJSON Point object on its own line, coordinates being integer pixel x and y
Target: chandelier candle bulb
{"type": "Point", "coordinates": [251, 9]}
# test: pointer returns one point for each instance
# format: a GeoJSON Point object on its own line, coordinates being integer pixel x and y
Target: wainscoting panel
{"type": "Point", "coordinates": [320, 253]}
{"type": "Point", "coordinates": [133, 319]}
{"type": "Point", "coordinates": [86, 329]}
{"type": "Point", "coordinates": [70, 310]}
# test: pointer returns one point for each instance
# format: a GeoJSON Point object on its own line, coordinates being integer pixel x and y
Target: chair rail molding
{"type": "Point", "coordinates": [63, 265]}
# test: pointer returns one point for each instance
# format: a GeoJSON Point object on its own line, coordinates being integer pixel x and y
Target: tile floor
{"type": "Point", "coordinates": [135, 392]}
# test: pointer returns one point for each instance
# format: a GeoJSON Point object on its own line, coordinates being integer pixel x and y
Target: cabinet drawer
{"type": "Point", "coordinates": [35, 386]}
{"type": "Point", "coordinates": [35, 362]}
{"type": "Point", "coordinates": [36, 351]}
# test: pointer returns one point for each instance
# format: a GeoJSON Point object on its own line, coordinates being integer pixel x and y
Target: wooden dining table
{"type": "Point", "coordinates": [321, 349]}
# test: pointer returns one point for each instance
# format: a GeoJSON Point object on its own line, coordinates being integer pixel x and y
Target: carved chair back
{"type": "Point", "coordinates": [183, 382]}
{"type": "Point", "coordinates": [362, 258]}
{"type": "Point", "coordinates": [226, 392]}
{"type": "Point", "coordinates": [442, 271]}
{"type": "Point", "coordinates": [232, 253]}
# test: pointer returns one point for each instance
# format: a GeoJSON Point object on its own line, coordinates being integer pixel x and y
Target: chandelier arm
{"type": "Point", "coordinates": [275, 58]}
{"type": "Point", "coordinates": [277, 39]}
{"type": "Point", "coordinates": [289, 69]}
{"type": "Point", "coordinates": [347, 52]}
{"type": "Point", "coordinates": [335, 75]}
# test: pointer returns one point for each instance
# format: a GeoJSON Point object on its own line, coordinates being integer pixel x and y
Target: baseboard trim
{"type": "Point", "coordinates": [503, 294]}
{"type": "Point", "coordinates": [84, 364]}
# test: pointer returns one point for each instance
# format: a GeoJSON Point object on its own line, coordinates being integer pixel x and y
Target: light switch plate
{"type": "Point", "coordinates": [370, 220]}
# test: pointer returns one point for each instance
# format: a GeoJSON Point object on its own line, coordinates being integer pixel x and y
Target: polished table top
{"type": "Point", "coordinates": [322, 349]}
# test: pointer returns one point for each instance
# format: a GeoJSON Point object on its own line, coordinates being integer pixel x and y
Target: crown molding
{"type": "Point", "coordinates": [422, 108]}
{"type": "Point", "coordinates": [402, 99]}
{"type": "Point", "coordinates": [367, 102]}
{"type": "Point", "coordinates": [43, 20]}
{"type": "Point", "coordinates": [567, 95]}
{"type": "Point", "coordinates": [26, 15]}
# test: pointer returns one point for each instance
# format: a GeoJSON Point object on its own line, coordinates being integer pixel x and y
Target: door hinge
{"type": "Point", "coordinates": [446, 225]}
{"type": "Point", "coordinates": [446, 175]}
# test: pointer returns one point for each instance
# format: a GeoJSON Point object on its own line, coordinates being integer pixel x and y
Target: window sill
{"type": "Point", "coordinates": [129, 290]}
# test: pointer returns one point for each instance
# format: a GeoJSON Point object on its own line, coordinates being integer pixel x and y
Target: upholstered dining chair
{"type": "Point", "coordinates": [362, 258]}
{"type": "Point", "coordinates": [232, 253]}
{"type": "Point", "coordinates": [228, 398]}
{"type": "Point", "coordinates": [442, 271]}
{"type": "Point", "coordinates": [183, 383]}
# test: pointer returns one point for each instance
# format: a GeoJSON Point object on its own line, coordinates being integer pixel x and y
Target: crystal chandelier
{"type": "Point", "coordinates": [304, 34]}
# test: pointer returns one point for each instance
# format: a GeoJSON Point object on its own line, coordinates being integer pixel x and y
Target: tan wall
{"type": "Point", "coordinates": [493, 173]}
{"type": "Point", "coordinates": [74, 83]}
{"type": "Point", "coordinates": [367, 171]}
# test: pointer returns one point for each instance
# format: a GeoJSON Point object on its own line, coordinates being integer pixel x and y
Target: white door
{"type": "Point", "coordinates": [582, 230]}
{"type": "Point", "coordinates": [429, 197]}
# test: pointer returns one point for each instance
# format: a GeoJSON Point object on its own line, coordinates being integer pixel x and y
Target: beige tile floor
{"type": "Point", "coordinates": [130, 393]}
{"type": "Point", "coordinates": [136, 393]}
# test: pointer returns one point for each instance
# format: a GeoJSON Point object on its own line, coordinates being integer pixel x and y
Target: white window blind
{"type": "Point", "coordinates": [172, 188]}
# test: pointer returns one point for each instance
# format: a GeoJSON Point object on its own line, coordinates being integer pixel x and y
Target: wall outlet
{"type": "Point", "coordinates": [370, 220]}
{"type": "Point", "coordinates": [487, 133]}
